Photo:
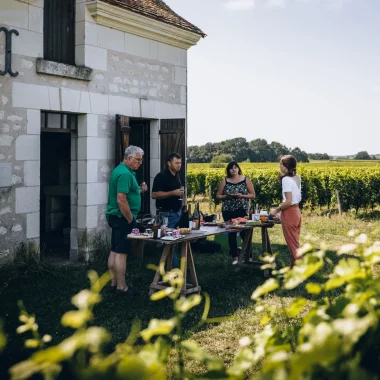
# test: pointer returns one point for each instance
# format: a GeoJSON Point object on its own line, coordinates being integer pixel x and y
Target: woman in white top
{"type": "Point", "coordinates": [291, 218]}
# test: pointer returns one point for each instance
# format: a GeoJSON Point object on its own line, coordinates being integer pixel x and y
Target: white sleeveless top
{"type": "Point", "coordinates": [290, 185]}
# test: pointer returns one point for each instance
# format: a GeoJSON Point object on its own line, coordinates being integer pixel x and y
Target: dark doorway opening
{"type": "Point", "coordinates": [135, 132]}
{"type": "Point", "coordinates": [55, 201]}
{"type": "Point", "coordinates": [140, 136]}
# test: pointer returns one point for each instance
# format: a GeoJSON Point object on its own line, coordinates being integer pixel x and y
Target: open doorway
{"type": "Point", "coordinates": [140, 136]}
{"type": "Point", "coordinates": [55, 202]}
{"type": "Point", "coordinates": [135, 132]}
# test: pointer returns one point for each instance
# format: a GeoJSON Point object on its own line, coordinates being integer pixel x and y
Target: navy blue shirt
{"type": "Point", "coordinates": [165, 181]}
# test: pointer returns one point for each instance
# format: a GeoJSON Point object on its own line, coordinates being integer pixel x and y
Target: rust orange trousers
{"type": "Point", "coordinates": [291, 221]}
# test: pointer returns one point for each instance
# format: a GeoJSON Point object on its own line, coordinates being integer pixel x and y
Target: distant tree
{"type": "Point", "coordinates": [195, 154]}
{"type": "Point", "coordinates": [261, 151]}
{"type": "Point", "coordinates": [238, 148]}
{"type": "Point", "coordinates": [224, 158]}
{"type": "Point", "coordinates": [318, 156]}
{"type": "Point", "coordinates": [279, 149]}
{"type": "Point", "coordinates": [300, 155]}
{"type": "Point", "coordinates": [363, 155]}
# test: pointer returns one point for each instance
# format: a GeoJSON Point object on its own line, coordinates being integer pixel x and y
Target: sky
{"type": "Point", "coordinates": [305, 73]}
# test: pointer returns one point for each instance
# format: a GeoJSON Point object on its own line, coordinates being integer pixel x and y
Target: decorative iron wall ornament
{"type": "Point", "coordinates": [8, 51]}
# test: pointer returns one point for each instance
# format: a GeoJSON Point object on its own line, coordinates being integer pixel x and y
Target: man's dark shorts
{"type": "Point", "coordinates": [121, 228]}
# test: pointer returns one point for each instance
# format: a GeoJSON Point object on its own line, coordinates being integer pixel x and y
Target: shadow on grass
{"type": "Point", "coordinates": [46, 290]}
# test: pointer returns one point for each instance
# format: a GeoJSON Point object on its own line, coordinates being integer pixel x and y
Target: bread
{"type": "Point", "coordinates": [184, 230]}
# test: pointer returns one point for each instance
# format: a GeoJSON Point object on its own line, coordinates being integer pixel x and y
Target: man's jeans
{"type": "Point", "coordinates": [173, 219]}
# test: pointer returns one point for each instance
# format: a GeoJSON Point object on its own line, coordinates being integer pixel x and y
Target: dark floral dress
{"type": "Point", "coordinates": [234, 188]}
{"type": "Point", "coordinates": [234, 208]}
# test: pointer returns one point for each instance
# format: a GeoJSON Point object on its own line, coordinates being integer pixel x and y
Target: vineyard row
{"type": "Point", "coordinates": [357, 188]}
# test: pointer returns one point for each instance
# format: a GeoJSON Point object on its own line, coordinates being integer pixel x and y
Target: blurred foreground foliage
{"type": "Point", "coordinates": [334, 333]}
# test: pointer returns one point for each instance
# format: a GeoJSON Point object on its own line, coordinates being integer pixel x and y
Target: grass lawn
{"type": "Point", "coordinates": [46, 292]}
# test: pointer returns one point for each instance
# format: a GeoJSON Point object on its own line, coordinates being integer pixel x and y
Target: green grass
{"type": "Point", "coordinates": [46, 292]}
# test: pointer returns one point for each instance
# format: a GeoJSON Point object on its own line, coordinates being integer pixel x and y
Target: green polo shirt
{"type": "Point", "coordinates": [123, 180]}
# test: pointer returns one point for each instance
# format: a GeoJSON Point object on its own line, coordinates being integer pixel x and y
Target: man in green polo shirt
{"type": "Point", "coordinates": [124, 202]}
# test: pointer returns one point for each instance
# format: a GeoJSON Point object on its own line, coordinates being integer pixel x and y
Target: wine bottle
{"type": "Point", "coordinates": [184, 219]}
{"type": "Point", "coordinates": [190, 217]}
{"type": "Point", "coordinates": [159, 221]}
{"type": "Point", "coordinates": [197, 217]}
{"type": "Point", "coordinates": [155, 228]}
{"type": "Point", "coordinates": [251, 212]}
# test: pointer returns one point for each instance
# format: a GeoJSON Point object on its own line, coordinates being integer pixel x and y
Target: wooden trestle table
{"type": "Point", "coordinates": [191, 285]}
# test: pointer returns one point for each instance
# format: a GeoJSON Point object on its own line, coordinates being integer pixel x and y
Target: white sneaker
{"type": "Point", "coordinates": [236, 260]}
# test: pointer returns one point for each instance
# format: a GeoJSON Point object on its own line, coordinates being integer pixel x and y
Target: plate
{"type": "Point", "coordinates": [140, 236]}
{"type": "Point", "coordinates": [172, 238]}
{"type": "Point", "coordinates": [195, 232]}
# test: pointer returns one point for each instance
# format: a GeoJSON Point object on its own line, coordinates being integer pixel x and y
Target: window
{"type": "Point", "coordinates": [59, 122]}
{"type": "Point", "coordinates": [59, 31]}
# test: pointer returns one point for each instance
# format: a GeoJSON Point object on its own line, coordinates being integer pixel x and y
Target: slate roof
{"type": "Point", "coordinates": [158, 10]}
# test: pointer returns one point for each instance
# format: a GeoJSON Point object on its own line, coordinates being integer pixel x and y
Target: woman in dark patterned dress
{"type": "Point", "coordinates": [235, 190]}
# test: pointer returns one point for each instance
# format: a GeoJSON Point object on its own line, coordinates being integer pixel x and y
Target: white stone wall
{"type": "Point", "coordinates": [132, 76]}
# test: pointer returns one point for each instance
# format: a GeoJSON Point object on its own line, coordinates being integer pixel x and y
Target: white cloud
{"type": "Point", "coordinates": [239, 5]}
{"type": "Point", "coordinates": [276, 3]}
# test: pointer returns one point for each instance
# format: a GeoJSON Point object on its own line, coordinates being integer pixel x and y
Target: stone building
{"type": "Point", "coordinates": [79, 81]}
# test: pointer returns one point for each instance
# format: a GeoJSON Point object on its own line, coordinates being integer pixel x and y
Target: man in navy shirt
{"type": "Point", "coordinates": [168, 192]}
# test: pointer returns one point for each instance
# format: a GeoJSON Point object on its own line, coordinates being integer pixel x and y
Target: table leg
{"type": "Point", "coordinates": [169, 261]}
{"type": "Point", "coordinates": [184, 249]}
{"type": "Point", "coordinates": [246, 251]}
{"type": "Point", "coordinates": [263, 240]}
{"type": "Point", "coordinates": [193, 273]}
{"type": "Point", "coordinates": [155, 284]}
{"type": "Point", "coordinates": [269, 247]}
{"type": "Point", "coordinates": [266, 248]}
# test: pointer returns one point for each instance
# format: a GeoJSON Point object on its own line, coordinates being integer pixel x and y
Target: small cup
{"type": "Point", "coordinates": [148, 231]}
{"type": "Point", "coordinates": [135, 231]}
{"type": "Point", "coordinates": [176, 233]}
{"type": "Point", "coordinates": [169, 233]}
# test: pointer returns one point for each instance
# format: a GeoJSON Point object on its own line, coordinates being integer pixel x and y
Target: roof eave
{"type": "Point", "coordinates": [134, 23]}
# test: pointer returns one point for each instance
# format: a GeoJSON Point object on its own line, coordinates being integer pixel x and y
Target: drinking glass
{"type": "Point", "coordinates": [182, 188]}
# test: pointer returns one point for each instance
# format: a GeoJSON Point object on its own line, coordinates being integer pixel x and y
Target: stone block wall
{"type": "Point", "coordinates": [132, 76]}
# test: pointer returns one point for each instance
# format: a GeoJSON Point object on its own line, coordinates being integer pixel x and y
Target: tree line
{"type": "Point", "coordinates": [240, 150]}
{"type": "Point", "coordinates": [258, 150]}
